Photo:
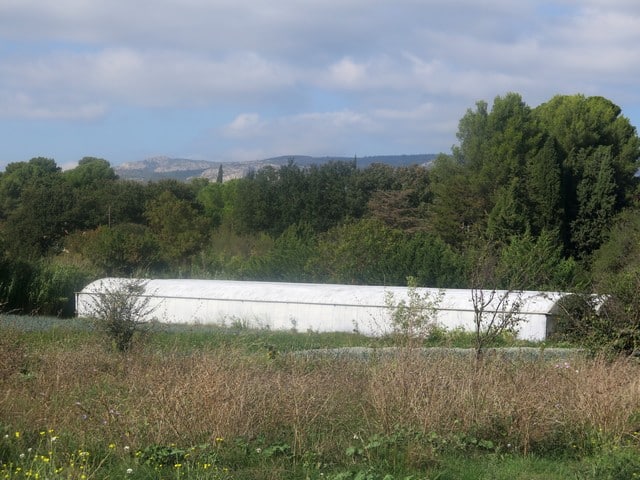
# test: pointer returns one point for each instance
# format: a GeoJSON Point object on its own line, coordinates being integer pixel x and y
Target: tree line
{"type": "Point", "coordinates": [530, 198]}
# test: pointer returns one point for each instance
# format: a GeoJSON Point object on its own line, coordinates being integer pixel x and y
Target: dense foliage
{"type": "Point", "coordinates": [536, 198]}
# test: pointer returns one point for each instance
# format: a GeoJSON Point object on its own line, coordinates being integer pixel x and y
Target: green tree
{"type": "Point", "coordinates": [402, 203]}
{"type": "Point", "coordinates": [472, 134]}
{"type": "Point", "coordinates": [359, 252]}
{"type": "Point", "coordinates": [326, 202]}
{"type": "Point", "coordinates": [619, 251]}
{"type": "Point", "coordinates": [91, 172]}
{"type": "Point", "coordinates": [180, 190]}
{"type": "Point", "coordinates": [567, 166]}
{"type": "Point", "coordinates": [16, 277]}
{"type": "Point", "coordinates": [596, 198]}
{"type": "Point", "coordinates": [288, 259]}
{"type": "Point", "coordinates": [289, 192]}
{"type": "Point", "coordinates": [92, 182]}
{"type": "Point", "coordinates": [615, 272]}
{"type": "Point", "coordinates": [509, 215]}
{"type": "Point", "coordinates": [270, 200]}
{"type": "Point", "coordinates": [375, 177]}
{"type": "Point", "coordinates": [598, 146]}
{"type": "Point", "coordinates": [529, 262]}
{"type": "Point", "coordinates": [126, 249]}
{"type": "Point", "coordinates": [255, 207]}
{"type": "Point", "coordinates": [493, 144]}
{"type": "Point", "coordinates": [180, 229]}
{"type": "Point", "coordinates": [544, 189]}
{"type": "Point", "coordinates": [429, 260]}
{"type": "Point", "coordinates": [460, 204]}
{"type": "Point", "coordinates": [20, 175]}
{"type": "Point", "coordinates": [42, 218]}
{"type": "Point", "coordinates": [123, 201]}
{"type": "Point", "coordinates": [212, 199]}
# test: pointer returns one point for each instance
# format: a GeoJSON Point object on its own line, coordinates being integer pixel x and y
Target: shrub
{"type": "Point", "coordinates": [575, 318]}
{"type": "Point", "coordinates": [414, 319]}
{"type": "Point", "coordinates": [16, 277]}
{"type": "Point", "coordinates": [122, 310]}
{"type": "Point", "coordinates": [606, 325]}
{"type": "Point", "coordinates": [496, 313]}
{"type": "Point", "coordinates": [53, 288]}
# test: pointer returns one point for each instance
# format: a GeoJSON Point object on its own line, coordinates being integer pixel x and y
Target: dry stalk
{"type": "Point", "coordinates": [151, 398]}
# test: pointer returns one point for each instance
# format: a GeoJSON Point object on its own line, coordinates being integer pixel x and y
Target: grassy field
{"type": "Point", "coordinates": [214, 403]}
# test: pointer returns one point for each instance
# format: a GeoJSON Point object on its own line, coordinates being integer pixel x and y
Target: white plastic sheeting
{"type": "Point", "coordinates": [317, 307]}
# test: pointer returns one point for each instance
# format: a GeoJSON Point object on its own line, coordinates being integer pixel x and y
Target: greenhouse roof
{"type": "Point", "coordinates": [537, 302]}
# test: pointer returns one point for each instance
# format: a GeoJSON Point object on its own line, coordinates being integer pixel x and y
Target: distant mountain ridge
{"type": "Point", "coordinates": [184, 169]}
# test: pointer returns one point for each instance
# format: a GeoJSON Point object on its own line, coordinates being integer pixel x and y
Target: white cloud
{"type": "Point", "coordinates": [245, 124]}
{"type": "Point", "coordinates": [415, 113]}
{"type": "Point", "coordinates": [597, 41]}
{"type": "Point", "coordinates": [313, 76]}
{"type": "Point", "coordinates": [307, 133]}
{"type": "Point", "coordinates": [334, 120]}
{"type": "Point", "coordinates": [345, 132]}
{"type": "Point", "coordinates": [147, 79]}
{"type": "Point", "coordinates": [23, 105]}
{"type": "Point", "coordinates": [347, 74]}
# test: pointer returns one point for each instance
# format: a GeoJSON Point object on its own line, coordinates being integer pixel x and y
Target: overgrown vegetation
{"type": "Point", "coordinates": [546, 196]}
{"type": "Point", "coordinates": [223, 408]}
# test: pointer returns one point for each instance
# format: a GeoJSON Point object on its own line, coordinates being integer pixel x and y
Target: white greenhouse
{"type": "Point", "coordinates": [319, 307]}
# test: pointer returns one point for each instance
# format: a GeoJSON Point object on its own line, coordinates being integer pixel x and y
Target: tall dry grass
{"type": "Point", "coordinates": [319, 404]}
{"type": "Point", "coordinates": [526, 404]}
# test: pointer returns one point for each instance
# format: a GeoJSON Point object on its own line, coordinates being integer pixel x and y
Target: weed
{"type": "Point", "coordinates": [415, 318]}
{"type": "Point", "coordinates": [616, 463]}
{"type": "Point", "coordinates": [14, 354]}
{"type": "Point", "coordinates": [121, 310]}
{"type": "Point", "coordinates": [227, 406]}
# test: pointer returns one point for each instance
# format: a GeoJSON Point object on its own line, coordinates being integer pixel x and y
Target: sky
{"type": "Point", "coordinates": [232, 80]}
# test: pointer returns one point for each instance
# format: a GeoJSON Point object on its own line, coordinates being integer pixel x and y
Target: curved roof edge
{"type": "Point", "coordinates": [539, 302]}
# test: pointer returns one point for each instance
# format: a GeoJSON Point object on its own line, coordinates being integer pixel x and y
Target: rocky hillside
{"type": "Point", "coordinates": [157, 168]}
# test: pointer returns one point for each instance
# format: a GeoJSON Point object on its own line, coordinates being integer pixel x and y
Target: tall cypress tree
{"type": "Point", "coordinates": [596, 195]}
{"type": "Point", "coordinates": [544, 189]}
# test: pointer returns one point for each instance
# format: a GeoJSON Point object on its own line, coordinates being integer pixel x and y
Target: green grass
{"type": "Point", "coordinates": [240, 459]}
{"type": "Point", "coordinates": [41, 330]}
{"type": "Point", "coordinates": [185, 337]}
{"type": "Point", "coordinates": [508, 467]}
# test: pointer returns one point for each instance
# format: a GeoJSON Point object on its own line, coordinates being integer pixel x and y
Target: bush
{"type": "Point", "coordinates": [53, 288]}
{"type": "Point", "coordinates": [414, 319]}
{"type": "Point", "coordinates": [41, 287]}
{"type": "Point", "coordinates": [575, 317]}
{"type": "Point", "coordinates": [608, 325]}
{"type": "Point", "coordinates": [16, 277]}
{"type": "Point", "coordinates": [121, 310]}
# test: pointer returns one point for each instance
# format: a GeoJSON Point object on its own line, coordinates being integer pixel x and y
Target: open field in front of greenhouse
{"type": "Point", "coordinates": [214, 403]}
